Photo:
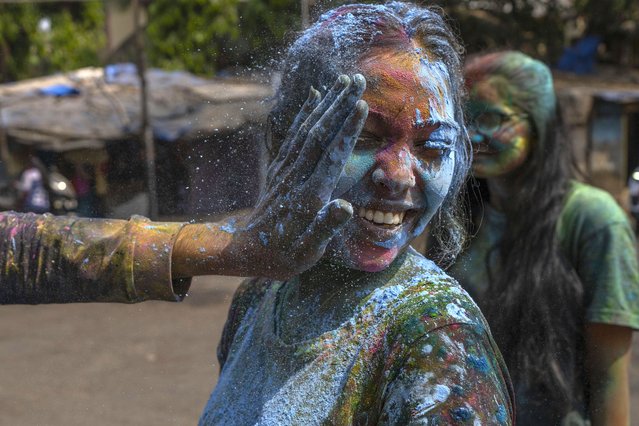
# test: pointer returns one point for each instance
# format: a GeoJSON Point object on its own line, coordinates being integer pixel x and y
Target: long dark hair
{"type": "Point", "coordinates": [337, 42]}
{"type": "Point", "coordinates": [534, 304]}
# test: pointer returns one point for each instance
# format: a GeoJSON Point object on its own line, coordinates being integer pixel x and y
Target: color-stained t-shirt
{"type": "Point", "coordinates": [594, 233]}
{"type": "Point", "coordinates": [59, 259]}
{"type": "Point", "coordinates": [416, 350]}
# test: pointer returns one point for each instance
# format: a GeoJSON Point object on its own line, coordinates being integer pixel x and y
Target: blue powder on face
{"type": "Point", "coordinates": [263, 238]}
{"type": "Point", "coordinates": [356, 167]}
{"type": "Point", "coordinates": [229, 227]}
{"type": "Point", "coordinates": [419, 120]}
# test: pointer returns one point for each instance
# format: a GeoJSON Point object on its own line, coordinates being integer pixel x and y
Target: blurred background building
{"type": "Point", "coordinates": [73, 91]}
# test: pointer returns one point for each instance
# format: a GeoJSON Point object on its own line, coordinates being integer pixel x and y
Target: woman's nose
{"type": "Point", "coordinates": [395, 172]}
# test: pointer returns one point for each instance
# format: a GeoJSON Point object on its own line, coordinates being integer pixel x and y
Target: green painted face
{"type": "Point", "coordinates": [501, 133]}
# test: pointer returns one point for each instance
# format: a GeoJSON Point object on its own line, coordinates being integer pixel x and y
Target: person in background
{"type": "Point", "coordinates": [553, 263]}
{"type": "Point", "coordinates": [82, 184]}
{"type": "Point", "coordinates": [33, 193]}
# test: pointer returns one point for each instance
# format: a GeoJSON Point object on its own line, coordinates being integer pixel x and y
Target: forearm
{"type": "Point", "coordinates": [610, 395]}
{"type": "Point", "coordinates": [205, 249]}
{"type": "Point", "coordinates": [607, 362]}
{"type": "Point", "coordinates": [49, 259]}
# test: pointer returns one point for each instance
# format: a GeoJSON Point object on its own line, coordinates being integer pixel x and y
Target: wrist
{"type": "Point", "coordinates": [205, 249]}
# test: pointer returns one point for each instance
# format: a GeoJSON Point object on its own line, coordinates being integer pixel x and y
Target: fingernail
{"type": "Point", "coordinates": [342, 210]}
{"type": "Point", "coordinates": [343, 80]}
{"type": "Point", "coordinates": [359, 80]}
{"type": "Point", "coordinates": [362, 106]}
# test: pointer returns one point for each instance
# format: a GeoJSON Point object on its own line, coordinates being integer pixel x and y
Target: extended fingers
{"type": "Point", "coordinates": [328, 222]}
{"type": "Point", "coordinates": [329, 168]}
{"type": "Point", "coordinates": [297, 139]}
{"type": "Point", "coordinates": [333, 119]}
{"type": "Point", "coordinates": [313, 100]}
{"type": "Point", "coordinates": [325, 130]}
{"type": "Point", "coordinates": [342, 83]}
{"type": "Point", "coordinates": [312, 111]}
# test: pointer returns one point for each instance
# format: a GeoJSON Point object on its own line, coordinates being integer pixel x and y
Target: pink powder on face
{"type": "Point", "coordinates": [372, 258]}
{"type": "Point", "coordinates": [396, 161]}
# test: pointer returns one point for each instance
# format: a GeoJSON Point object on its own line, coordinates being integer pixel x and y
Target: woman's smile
{"type": "Point", "coordinates": [402, 166]}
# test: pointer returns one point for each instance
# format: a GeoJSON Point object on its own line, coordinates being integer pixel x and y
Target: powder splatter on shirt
{"type": "Point", "coordinates": [415, 350]}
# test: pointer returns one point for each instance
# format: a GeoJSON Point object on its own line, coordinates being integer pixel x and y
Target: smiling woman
{"type": "Point", "coordinates": [374, 333]}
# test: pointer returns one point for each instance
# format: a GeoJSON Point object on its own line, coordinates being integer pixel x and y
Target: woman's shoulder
{"type": "Point", "coordinates": [589, 209]}
{"type": "Point", "coordinates": [248, 295]}
{"type": "Point", "coordinates": [426, 298]}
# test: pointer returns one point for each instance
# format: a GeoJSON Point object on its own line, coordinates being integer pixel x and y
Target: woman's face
{"type": "Point", "coordinates": [402, 166]}
{"type": "Point", "coordinates": [500, 132]}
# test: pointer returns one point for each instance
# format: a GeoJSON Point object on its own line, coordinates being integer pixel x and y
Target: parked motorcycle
{"type": "Point", "coordinates": [62, 195]}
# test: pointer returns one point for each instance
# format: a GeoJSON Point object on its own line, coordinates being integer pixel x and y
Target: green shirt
{"type": "Point", "coordinates": [59, 259]}
{"type": "Point", "coordinates": [415, 351]}
{"type": "Point", "coordinates": [595, 235]}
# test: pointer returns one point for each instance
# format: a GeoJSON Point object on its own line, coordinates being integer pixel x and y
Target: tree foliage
{"type": "Point", "coordinates": [37, 39]}
{"type": "Point", "coordinates": [187, 34]}
{"type": "Point", "coordinates": [203, 36]}
{"type": "Point", "coordinates": [543, 28]}
{"type": "Point", "coordinates": [206, 36]}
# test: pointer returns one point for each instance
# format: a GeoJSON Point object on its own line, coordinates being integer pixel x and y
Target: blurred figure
{"type": "Point", "coordinates": [33, 195]}
{"type": "Point", "coordinates": [633, 194]}
{"type": "Point", "coordinates": [553, 263]}
{"type": "Point", "coordinates": [84, 190]}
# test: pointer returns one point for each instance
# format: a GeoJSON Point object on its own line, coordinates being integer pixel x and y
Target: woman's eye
{"type": "Point", "coordinates": [369, 141]}
{"type": "Point", "coordinates": [432, 149]}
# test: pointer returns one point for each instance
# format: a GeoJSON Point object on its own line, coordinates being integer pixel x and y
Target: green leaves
{"type": "Point", "coordinates": [203, 36]}
{"type": "Point", "coordinates": [189, 34]}
{"type": "Point", "coordinates": [75, 36]}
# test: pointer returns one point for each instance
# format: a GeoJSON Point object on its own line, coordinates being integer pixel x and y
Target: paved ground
{"type": "Point", "coordinates": [106, 364]}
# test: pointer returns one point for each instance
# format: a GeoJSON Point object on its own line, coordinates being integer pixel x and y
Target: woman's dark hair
{"type": "Point", "coordinates": [533, 303]}
{"type": "Point", "coordinates": [335, 45]}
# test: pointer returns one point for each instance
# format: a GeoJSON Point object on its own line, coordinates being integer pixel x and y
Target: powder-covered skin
{"type": "Point", "coordinates": [508, 148]}
{"type": "Point", "coordinates": [403, 160]}
{"type": "Point", "coordinates": [595, 235]}
{"type": "Point", "coordinates": [414, 350]}
{"type": "Point", "coordinates": [51, 259]}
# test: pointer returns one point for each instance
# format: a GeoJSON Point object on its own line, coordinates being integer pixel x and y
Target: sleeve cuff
{"type": "Point", "coordinates": [152, 250]}
{"type": "Point", "coordinates": [610, 317]}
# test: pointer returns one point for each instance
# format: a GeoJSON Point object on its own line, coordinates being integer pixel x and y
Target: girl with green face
{"type": "Point", "coordinates": [553, 264]}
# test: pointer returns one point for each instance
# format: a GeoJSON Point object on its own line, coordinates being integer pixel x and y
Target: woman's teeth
{"type": "Point", "coordinates": [382, 218]}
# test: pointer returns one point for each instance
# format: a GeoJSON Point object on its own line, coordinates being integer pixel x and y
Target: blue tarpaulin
{"type": "Point", "coordinates": [59, 90]}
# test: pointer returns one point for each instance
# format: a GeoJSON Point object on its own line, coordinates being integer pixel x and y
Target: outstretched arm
{"type": "Point", "coordinates": [295, 218]}
{"type": "Point", "coordinates": [57, 259]}
{"type": "Point", "coordinates": [48, 259]}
